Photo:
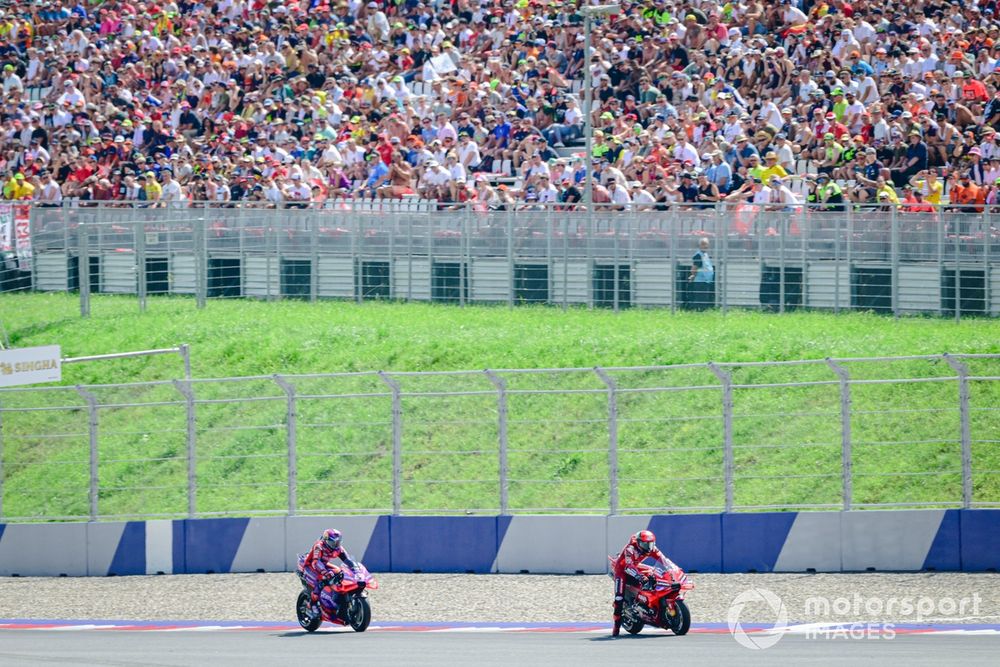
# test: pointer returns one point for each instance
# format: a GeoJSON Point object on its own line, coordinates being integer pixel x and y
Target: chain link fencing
{"type": "Point", "coordinates": [815, 434]}
{"type": "Point", "coordinates": [941, 263]}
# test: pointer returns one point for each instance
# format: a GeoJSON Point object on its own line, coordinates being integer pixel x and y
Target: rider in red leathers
{"type": "Point", "coordinates": [316, 568]}
{"type": "Point", "coordinates": [640, 546]}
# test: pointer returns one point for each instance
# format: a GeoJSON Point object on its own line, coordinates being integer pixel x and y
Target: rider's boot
{"type": "Point", "coordinates": [615, 629]}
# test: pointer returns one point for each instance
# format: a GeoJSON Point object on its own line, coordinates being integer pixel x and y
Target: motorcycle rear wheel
{"type": "Point", "coordinates": [359, 612]}
{"type": "Point", "coordinates": [680, 622]}
{"type": "Point", "coordinates": [308, 623]}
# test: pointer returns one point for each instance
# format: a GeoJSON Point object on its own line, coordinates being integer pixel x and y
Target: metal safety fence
{"type": "Point", "coordinates": [942, 263]}
{"type": "Point", "coordinates": [921, 431]}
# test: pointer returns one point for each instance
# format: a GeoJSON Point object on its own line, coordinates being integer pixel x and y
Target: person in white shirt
{"type": "Point", "coordinates": [641, 197]}
{"type": "Point", "coordinates": [468, 151]}
{"type": "Point", "coordinates": [172, 193]}
{"type": "Point", "coordinates": [51, 194]}
{"type": "Point", "coordinates": [806, 86]}
{"type": "Point", "coordinates": [793, 16]}
{"type": "Point", "coordinates": [70, 94]}
{"type": "Point", "coordinates": [298, 193]}
{"type": "Point", "coordinates": [761, 193]}
{"type": "Point", "coordinates": [619, 195]}
{"type": "Point", "coordinates": [780, 194]}
{"type": "Point", "coordinates": [11, 81]}
{"type": "Point", "coordinates": [546, 191]}
{"type": "Point", "coordinates": [845, 45]}
{"type": "Point", "coordinates": [455, 168]}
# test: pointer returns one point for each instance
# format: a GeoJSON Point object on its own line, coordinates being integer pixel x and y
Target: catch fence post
{"type": "Point", "coordinates": [201, 259]}
{"type": "Point", "coordinates": [83, 267]}
{"type": "Point", "coordinates": [291, 441]}
{"type": "Point", "coordinates": [397, 443]}
{"type": "Point", "coordinates": [1, 462]}
{"type": "Point", "coordinates": [501, 387]}
{"type": "Point", "coordinates": [612, 386]}
{"type": "Point", "coordinates": [846, 470]}
{"type": "Point", "coordinates": [963, 410]}
{"type": "Point", "coordinates": [726, 378]}
{"type": "Point", "coordinates": [139, 238]}
{"type": "Point", "coordinates": [187, 392]}
{"type": "Point", "coordinates": [92, 433]}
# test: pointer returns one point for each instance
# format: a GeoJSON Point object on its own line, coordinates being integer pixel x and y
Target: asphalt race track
{"type": "Point", "coordinates": [240, 646]}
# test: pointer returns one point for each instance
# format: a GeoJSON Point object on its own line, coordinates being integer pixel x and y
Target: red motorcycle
{"type": "Point", "coordinates": [658, 601]}
{"type": "Point", "coordinates": [343, 601]}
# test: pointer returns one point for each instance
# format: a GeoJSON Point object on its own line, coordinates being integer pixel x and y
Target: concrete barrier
{"type": "Point", "coordinates": [897, 540]}
{"type": "Point", "coordinates": [443, 543]}
{"type": "Point", "coordinates": [753, 542]}
{"type": "Point", "coordinates": [116, 548]}
{"type": "Point", "coordinates": [551, 545]}
{"type": "Point", "coordinates": [812, 544]}
{"type": "Point", "coordinates": [262, 547]}
{"type": "Point", "coordinates": [44, 549]}
{"type": "Point", "coordinates": [887, 539]}
{"type": "Point", "coordinates": [980, 540]}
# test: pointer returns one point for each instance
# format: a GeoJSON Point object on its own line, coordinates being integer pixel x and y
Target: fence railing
{"type": "Point", "coordinates": [939, 263]}
{"type": "Point", "coordinates": [920, 431]}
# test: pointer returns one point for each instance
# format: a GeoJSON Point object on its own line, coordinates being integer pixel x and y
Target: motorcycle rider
{"type": "Point", "coordinates": [640, 546]}
{"type": "Point", "coordinates": [317, 570]}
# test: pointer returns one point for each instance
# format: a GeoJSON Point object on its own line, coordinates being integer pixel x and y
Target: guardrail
{"type": "Point", "coordinates": [813, 434]}
{"type": "Point", "coordinates": [941, 263]}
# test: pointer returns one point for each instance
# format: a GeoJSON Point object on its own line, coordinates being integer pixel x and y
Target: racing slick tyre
{"type": "Point", "coordinates": [359, 613]}
{"type": "Point", "coordinates": [680, 622]}
{"type": "Point", "coordinates": [306, 620]}
{"type": "Point", "coordinates": [632, 623]}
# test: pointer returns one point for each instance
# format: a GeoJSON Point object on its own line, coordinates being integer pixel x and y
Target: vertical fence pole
{"type": "Point", "coordinates": [185, 351]}
{"type": "Point", "coordinates": [987, 241]}
{"type": "Point", "coordinates": [612, 386]}
{"type": "Point", "coordinates": [501, 386]}
{"type": "Point", "coordinates": [187, 392]}
{"type": "Point", "coordinates": [958, 274]}
{"type": "Point", "coordinates": [397, 443]}
{"type": "Point", "coordinates": [139, 237]}
{"type": "Point", "coordinates": [510, 261]}
{"type": "Point", "coordinates": [615, 227]}
{"type": "Point", "coordinates": [1, 462]}
{"type": "Point", "coordinates": [836, 265]}
{"type": "Point", "coordinates": [846, 458]}
{"type": "Point", "coordinates": [782, 230]}
{"type": "Point", "coordinates": [963, 410]}
{"type": "Point", "coordinates": [83, 267]}
{"type": "Point", "coordinates": [201, 261]}
{"type": "Point", "coordinates": [92, 433]}
{"type": "Point", "coordinates": [291, 434]}
{"type": "Point", "coordinates": [722, 247]}
{"type": "Point", "coordinates": [894, 261]}
{"type": "Point", "coordinates": [726, 378]}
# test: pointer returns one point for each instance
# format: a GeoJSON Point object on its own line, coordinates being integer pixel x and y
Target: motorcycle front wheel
{"type": "Point", "coordinates": [359, 613]}
{"type": "Point", "coordinates": [680, 622]}
{"type": "Point", "coordinates": [308, 623]}
{"type": "Point", "coordinates": [632, 623]}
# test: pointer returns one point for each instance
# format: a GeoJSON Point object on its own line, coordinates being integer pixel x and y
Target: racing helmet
{"type": "Point", "coordinates": [645, 541]}
{"type": "Point", "coordinates": [331, 538]}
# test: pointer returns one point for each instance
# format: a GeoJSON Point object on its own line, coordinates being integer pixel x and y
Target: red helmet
{"type": "Point", "coordinates": [645, 541]}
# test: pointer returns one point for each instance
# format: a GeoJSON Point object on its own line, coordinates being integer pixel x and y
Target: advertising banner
{"type": "Point", "coordinates": [30, 365]}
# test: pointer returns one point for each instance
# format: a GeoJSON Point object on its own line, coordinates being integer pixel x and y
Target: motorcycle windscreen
{"type": "Point", "coordinates": [656, 566]}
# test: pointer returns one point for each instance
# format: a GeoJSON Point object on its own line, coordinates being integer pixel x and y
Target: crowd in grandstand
{"type": "Point", "coordinates": [868, 104]}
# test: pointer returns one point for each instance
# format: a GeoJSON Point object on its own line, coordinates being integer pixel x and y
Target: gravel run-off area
{"type": "Point", "coordinates": [504, 598]}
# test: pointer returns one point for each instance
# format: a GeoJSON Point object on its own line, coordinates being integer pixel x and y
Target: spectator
{"type": "Point", "coordinates": [701, 280]}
